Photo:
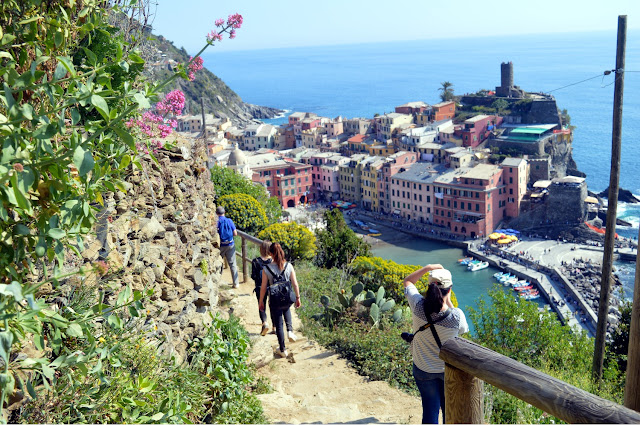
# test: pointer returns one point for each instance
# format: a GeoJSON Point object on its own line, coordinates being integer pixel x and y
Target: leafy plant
{"type": "Point", "coordinates": [70, 82]}
{"type": "Point", "coordinates": [247, 214]}
{"type": "Point", "coordinates": [337, 243]}
{"type": "Point", "coordinates": [297, 241]}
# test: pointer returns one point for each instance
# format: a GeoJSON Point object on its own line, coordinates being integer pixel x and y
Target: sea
{"type": "Point", "coordinates": [360, 80]}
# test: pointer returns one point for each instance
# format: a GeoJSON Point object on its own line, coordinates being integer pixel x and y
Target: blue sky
{"type": "Point", "coordinates": [284, 23]}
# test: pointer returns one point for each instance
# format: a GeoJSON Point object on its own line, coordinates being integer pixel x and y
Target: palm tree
{"type": "Point", "coordinates": [447, 91]}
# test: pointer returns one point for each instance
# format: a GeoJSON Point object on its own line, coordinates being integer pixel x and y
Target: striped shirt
{"type": "Point", "coordinates": [424, 347]}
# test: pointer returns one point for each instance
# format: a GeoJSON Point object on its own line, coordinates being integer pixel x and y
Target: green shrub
{"type": "Point", "coordinates": [137, 386]}
{"type": "Point", "coordinates": [247, 214]}
{"type": "Point", "coordinates": [298, 242]}
{"type": "Point", "coordinates": [376, 271]}
{"type": "Point", "coordinates": [337, 243]}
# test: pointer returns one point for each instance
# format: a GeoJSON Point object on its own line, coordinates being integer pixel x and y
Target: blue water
{"type": "Point", "coordinates": [365, 79]}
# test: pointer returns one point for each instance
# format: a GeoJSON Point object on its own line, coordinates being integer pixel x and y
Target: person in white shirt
{"type": "Point", "coordinates": [433, 310]}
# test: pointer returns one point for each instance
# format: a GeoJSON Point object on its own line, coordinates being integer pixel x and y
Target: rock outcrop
{"type": "Point", "coordinates": [623, 196]}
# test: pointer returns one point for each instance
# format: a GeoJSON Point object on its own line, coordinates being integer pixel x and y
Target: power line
{"type": "Point", "coordinates": [578, 82]}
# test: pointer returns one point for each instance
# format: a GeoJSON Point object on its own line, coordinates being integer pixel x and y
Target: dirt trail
{"type": "Point", "coordinates": [314, 384]}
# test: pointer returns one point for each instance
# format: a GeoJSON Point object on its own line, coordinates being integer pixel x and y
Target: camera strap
{"type": "Point", "coordinates": [433, 328]}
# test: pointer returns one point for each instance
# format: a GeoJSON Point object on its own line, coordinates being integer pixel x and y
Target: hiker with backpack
{"type": "Point", "coordinates": [257, 264]}
{"type": "Point", "coordinates": [227, 230]}
{"type": "Point", "coordinates": [435, 321]}
{"type": "Point", "coordinates": [279, 281]}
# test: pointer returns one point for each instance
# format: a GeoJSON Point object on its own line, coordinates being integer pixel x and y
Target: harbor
{"type": "Point", "coordinates": [549, 265]}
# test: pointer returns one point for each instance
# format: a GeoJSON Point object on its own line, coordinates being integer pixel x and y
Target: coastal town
{"type": "Point", "coordinates": [456, 170]}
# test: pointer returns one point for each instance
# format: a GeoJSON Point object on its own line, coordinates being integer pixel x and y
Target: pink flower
{"type": "Point", "coordinates": [18, 167]}
{"type": "Point", "coordinates": [235, 20]}
{"type": "Point", "coordinates": [219, 22]}
{"type": "Point", "coordinates": [213, 36]}
{"type": "Point", "coordinates": [232, 34]}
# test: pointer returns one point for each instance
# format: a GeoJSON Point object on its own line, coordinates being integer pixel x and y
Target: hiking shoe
{"type": "Point", "coordinates": [281, 354]}
{"type": "Point", "coordinates": [265, 329]}
{"type": "Point", "coordinates": [292, 336]}
{"type": "Point", "coordinates": [235, 286]}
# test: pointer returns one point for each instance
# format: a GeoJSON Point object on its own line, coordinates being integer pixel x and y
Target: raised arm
{"type": "Point", "coordinates": [415, 276]}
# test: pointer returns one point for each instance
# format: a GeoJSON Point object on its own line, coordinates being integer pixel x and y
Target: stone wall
{"type": "Point", "coordinates": [161, 233]}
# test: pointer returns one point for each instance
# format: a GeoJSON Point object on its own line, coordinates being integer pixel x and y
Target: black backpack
{"type": "Point", "coordinates": [257, 264]}
{"type": "Point", "coordinates": [280, 291]}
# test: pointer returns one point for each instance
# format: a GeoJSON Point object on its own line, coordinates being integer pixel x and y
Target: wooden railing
{"type": "Point", "coordinates": [467, 365]}
{"type": "Point", "coordinates": [243, 254]}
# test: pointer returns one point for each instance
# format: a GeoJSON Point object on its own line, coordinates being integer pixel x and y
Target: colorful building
{"type": "Point", "coordinates": [290, 182]}
{"type": "Point", "coordinates": [444, 110]}
{"type": "Point", "coordinates": [412, 192]}
{"type": "Point", "coordinates": [477, 129]}
{"type": "Point", "coordinates": [471, 202]}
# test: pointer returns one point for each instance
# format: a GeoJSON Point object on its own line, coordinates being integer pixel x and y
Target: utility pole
{"type": "Point", "coordinates": [203, 133]}
{"type": "Point", "coordinates": [612, 210]}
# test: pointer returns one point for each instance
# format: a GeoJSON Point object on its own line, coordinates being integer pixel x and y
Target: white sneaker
{"type": "Point", "coordinates": [292, 336]}
{"type": "Point", "coordinates": [281, 354]}
{"type": "Point", "coordinates": [265, 329]}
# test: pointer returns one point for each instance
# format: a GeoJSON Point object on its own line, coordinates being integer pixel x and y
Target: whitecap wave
{"type": "Point", "coordinates": [630, 213]}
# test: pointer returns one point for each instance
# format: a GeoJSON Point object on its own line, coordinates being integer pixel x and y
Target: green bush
{"type": "Point", "coordinates": [518, 330]}
{"type": "Point", "coordinates": [298, 242]}
{"type": "Point", "coordinates": [246, 213]}
{"type": "Point", "coordinates": [228, 182]}
{"type": "Point", "coordinates": [138, 386]}
{"type": "Point", "coordinates": [376, 271]}
{"type": "Point", "coordinates": [337, 243]}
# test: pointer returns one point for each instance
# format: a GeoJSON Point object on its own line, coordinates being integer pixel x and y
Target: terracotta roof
{"type": "Point", "coordinates": [358, 138]}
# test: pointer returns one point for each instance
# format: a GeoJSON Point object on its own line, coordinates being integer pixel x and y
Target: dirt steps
{"type": "Point", "coordinates": [314, 384]}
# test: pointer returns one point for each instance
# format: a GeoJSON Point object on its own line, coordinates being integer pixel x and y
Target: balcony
{"type": "Point", "coordinates": [468, 217]}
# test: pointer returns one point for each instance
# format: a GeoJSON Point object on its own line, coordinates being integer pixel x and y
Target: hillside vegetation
{"type": "Point", "coordinates": [219, 99]}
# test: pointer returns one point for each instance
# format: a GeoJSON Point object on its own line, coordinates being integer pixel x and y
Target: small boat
{"type": "Point", "coordinates": [512, 281]}
{"type": "Point", "coordinates": [497, 275]}
{"type": "Point", "coordinates": [520, 283]}
{"type": "Point", "coordinates": [465, 260]}
{"type": "Point", "coordinates": [375, 235]}
{"type": "Point", "coordinates": [528, 293]}
{"type": "Point", "coordinates": [530, 297]}
{"type": "Point", "coordinates": [479, 266]}
{"type": "Point", "coordinates": [522, 288]}
{"type": "Point", "coordinates": [505, 277]}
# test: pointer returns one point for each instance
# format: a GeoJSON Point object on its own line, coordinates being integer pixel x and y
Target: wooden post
{"type": "Point", "coordinates": [463, 397]}
{"type": "Point", "coordinates": [632, 385]}
{"type": "Point", "coordinates": [244, 260]}
{"type": "Point", "coordinates": [612, 210]}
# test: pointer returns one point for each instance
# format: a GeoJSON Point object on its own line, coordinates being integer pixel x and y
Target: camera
{"type": "Point", "coordinates": [407, 336]}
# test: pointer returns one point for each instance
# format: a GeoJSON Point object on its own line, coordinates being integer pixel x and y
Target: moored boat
{"type": "Point", "coordinates": [479, 266]}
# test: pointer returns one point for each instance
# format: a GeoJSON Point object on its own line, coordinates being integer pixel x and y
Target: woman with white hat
{"type": "Point", "coordinates": [435, 320]}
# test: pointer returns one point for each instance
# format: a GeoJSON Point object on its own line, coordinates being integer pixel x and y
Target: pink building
{"type": "Point", "coordinates": [472, 202]}
{"type": "Point", "coordinates": [326, 175]}
{"type": "Point", "coordinates": [334, 127]}
{"type": "Point", "coordinates": [476, 129]}
{"type": "Point", "coordinates": [290, 182]}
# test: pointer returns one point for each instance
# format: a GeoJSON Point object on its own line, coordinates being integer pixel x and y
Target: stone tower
{"type": "Point", "coordinates": [506, 74]}
{"type": "Point", "coordinates": [507, 88]}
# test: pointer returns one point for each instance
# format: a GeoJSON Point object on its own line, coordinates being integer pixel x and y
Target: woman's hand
{"type": "Point", "coordinates": [432, 267]}
{"type": "Point", "coordinates": [297, 304]}
{"type": "Point", "coordinates": [261, 305]}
